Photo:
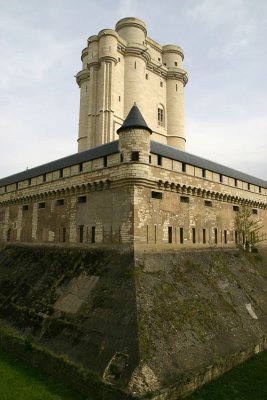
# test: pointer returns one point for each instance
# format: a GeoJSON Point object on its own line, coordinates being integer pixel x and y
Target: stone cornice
{"type": "Point", "coordinates": [208, 194]}
{"type": "Point", "coordinates": [82, 76]}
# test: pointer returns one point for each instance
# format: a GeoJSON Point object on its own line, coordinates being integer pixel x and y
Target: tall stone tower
{"type": "Point", "coordinates": [124, 66]}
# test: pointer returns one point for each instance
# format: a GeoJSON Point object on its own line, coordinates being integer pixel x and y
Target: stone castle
{"type": "Point", "coordinates": [145, 307]}
{"type": "Point", "coordinates": [131, 181]}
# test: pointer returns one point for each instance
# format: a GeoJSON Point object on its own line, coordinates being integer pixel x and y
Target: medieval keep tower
{"type": "Point", "coordinates": [124, 66]}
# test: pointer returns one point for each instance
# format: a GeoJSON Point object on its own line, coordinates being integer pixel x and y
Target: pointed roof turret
{"type": "Point", "coordinates": [134, 120]}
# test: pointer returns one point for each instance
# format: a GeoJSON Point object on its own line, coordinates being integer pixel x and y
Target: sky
{"type": "Point", "coordinates": [225, 48]}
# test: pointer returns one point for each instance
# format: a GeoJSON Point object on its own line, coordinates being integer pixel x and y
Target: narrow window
{"type": "Point", "coordinates": [236, 237]}
{"type": "Point", "coordinates": [184, 199]}
{"type": "Point", "coordinates": [183, 167]}
{"type": "Point", "coordinates": [158, 59]}
{"type": "Point", "coordinates": [236, 208]}
{"type": "Point", "coordinates": [121, 157]}
{"type": "Point", "coordinates": [203, 173]}
{"type": "Point", "coordinates": [93, 234]}
{"type": "Point", "coordinates": [44, 178]}
{"type": "Point", "coordinates": [181, 235]}
{"type": "Point", "coordinates": [81, 167]}
{"type": "Point", "coordinates": [9, 234]}
{"type": "Point", "coordinates": [159, 160]}
{"type": "Point", "coordinates": [259, 189]}
{"type": "Point", "coordinates": [208, 203]}
{"type": "Point", "coordinates": [176, 87]}
{"type": "Point", "coordinates": [29, 181]}
{"type": "Point", "coordinates": [160, 115]}
{"type": "Point", "coordinates": [235, 182]}
{"type": "Point", "coordinates": [169, 234]}
{"type": "Point", "coordinates": [155, 233]}
{"type": "Point", "coordinates": [248, 186]}
{"type": "Point", "coordinates": [254, 211]}
{"type": "Point", "coordinates": [25, 207]}
{"type": "Point", "coordinates": [204, 236]}
{"type": "Point", "coordinates": [81, 233]}
{"type": "Point", "coordinates": [119, 60]}
{"type": "Point", "coordinates": [146, 76]}
{"type": "Point", "coordinates": [156, 195]}
{"type": "Point", "coordinates": [149, 159]}
{"type": "Point", "coordinates": [161, 84]}
{"type": "Point", "coordinates": [64, 236]}
{"type": "Point", "coordinates": [41, 205]}
{"type": "Point", "coordinates": [119, 98]}
{"type": "Point", "coordinates": [60, 202]}
{"type": "Point", "coordinates": [175, 63]}
{"type": "Point", "coordinates": [135, 64]}
{"type": "Point", "coordinates": [225, 236]}
{"type": "Point", "coordinates": [81, 199]}
{"type": "Point", "coordinates": [194, 235]}
{"type": "Point", "coordinates": [215, 235]}
{"type": "Point", "coordinates": [221, 178]}
{"type": "Point", "coordinates": [17, 185]}
{"type": "Point", "coordinates": [135, 156]}
{"type": "Point", "coordinates": [61, 173]}
{"type": "Point", "coordinates": [105, 160]}
{"type": "Point", "coordinates": [164, 64]}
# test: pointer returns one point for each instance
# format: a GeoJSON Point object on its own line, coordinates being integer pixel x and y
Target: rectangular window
{"type": "Point", "coordinates": [194, 235]}
{"type": "Point", "coordinates": [149, 159]}
{"type": "Point", "coordinates": [161, 84]}
{"type": "Point", "coordinates": [203, 173]}
{"type": "Point", "coordinates": [81, 199]}
{"type": "Point", "coordinates": [236, 237]}
{"type": "Point", "coordinates": [184, 199]}
{"type": "Point", "coordinates": [215, 235]}
{"type": "Point", "coordinates": [175, 63]}
{"type": "Point", "coordinates": [121, 157]}
{"type": "Point", "coordinates": [146, 76]}
{"type": "Point", "coordinates": [41, 205]}
{"type": "Point", "coordinates": [61, 173]}
{"type": "Point", "coordinates": [81, 167]}
{"type": "Point", "coordinates": [119, 98]}
{"type": "Point", "coordinates": [29, 181]}
{"type": "Point", "coordinates": [221, 178]}
{"type": "Point", "coordinates": [64, 235]}
{"type": "Point", "coordinates": [181, 235]}
{"type": "Point", "coordinates": [156, 195]}
{"type": "Point", "coordinates": [135, 156]}
{"type": "Point", "coordinates": [93, 234]}
{"type": "Point", "coordinates": [259, 189]}
{"type": "Point", "coordinates": [81, 229]}
{"type": "Point", "coordinates": [248, 186]}
{"type": "Point", "coordinates": [183, 167]}
{"type": "Point", "coordinates": [155, 233]}
{"type": "Point", "coordinates": [25, 207]}
{"type": "Point", "coordinates": [208, 203]}
{"type": "Point", "coordinates": [170, 234]}
{"type": "Point", "coordinates": [235, 208]}
{"type": "Point", "coordinates": [159, 160]}
{"type": "Point", "coordinates": [254, 211]}
{"type": "Point", "coordinates": [44, 178]}
{"type": "Point", "coordinates": [105, 159]}
{"type": "Point", "coordinates": [60, 202]}
{"type": "Point", "coordinates": [204, 236]}
{"type": "Point", "coordinates": [225, 236]}
{"type": "Point", "coordinates": [235, 182]}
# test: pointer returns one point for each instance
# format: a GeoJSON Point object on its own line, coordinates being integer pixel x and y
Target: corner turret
{"type": "Point", "coordinates": [134, 141]}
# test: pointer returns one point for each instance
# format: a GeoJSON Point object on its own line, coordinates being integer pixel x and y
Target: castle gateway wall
{"type": "Point", "coordinates": [113, 199]}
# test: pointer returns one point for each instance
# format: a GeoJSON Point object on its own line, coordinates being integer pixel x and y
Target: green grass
{"type": "Point", "coordinates": [245, 382]}
{"type": "Point", "coordinates": [18, 381]}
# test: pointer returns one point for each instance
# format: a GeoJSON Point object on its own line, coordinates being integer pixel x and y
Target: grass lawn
{"type": "Point", "coordinates": [18, 381]}
{"type": "Point", "coordinates": [245, 382]}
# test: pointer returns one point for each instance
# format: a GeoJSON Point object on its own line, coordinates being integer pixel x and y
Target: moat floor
{"type": "Point", "coordinates": [245, 382]}
{"type": "Point", "coordinates": [18, 381]}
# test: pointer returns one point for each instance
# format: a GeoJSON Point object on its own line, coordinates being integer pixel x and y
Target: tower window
{"type": "Point", "coordinates": [184, 199]}
{"type": "Point", "coordinates": [203, 173]}
{"type": "Point", "coordinates": [44, 178]}
{"type": "Point", "coordinates": [235, 182]}
{"type": "Point", "coordinates": [183, 167]}
{"type": "Point", "coordinates": [156, 195]}
{"type": "Point", "coordinates": [80, 167]}
{"type": "Point", "coordinates": [81, 199]}
{"type": "Point", "coordinates": [160, 115]}
{"type": "Point", "coordinates": [146, 76]}
{"type": "Point", "coordinates": [175, 63]}
{"type": "Point", "coordinates": [61, 173]}
{"type": "Point", "coordinates": [235, 208]}
{"type": "Point", "coordinates": [254, 211]}
{"type": "Point", "coordinates": [60, 202]}
{"type": "Point", "coordinates": [25, 207]}
{"type": "Point", "coordinates": [161, 84]}
{"type": "Point", "coordinates": [105, 161]}
{"type": "Point", "coordinates": [221, 178]}
{"type": "Point", "coordinates": [208, 203]}
{"type": "Point", "coordinates": [135, 156]}
{"type": "Point", "coordinates": [259, 189]}
{"type": "Point", "coordinates": [159, 160]}
{"type": "Point", "coordinates": [41, 205]}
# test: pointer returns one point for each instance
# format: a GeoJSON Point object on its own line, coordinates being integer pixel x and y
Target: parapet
{"type": "Point", "coordinates": [132, 30]}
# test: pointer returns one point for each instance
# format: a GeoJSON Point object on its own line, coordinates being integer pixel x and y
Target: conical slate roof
{"type": "Point", "coordinates": [134, 120]}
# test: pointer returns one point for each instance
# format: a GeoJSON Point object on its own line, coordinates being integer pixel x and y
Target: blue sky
{"type": "Point", "coordinates": [225, 47]}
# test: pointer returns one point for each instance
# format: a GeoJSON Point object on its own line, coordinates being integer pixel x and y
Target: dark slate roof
{"type": "Point", "coordinates": [179, 155]}
{"type": "Point", "coordinates": [134, 120]}
{"type": "Point", "coordinates": [77, 158]}
{"type": "Point", "coordinates": [113, 147]}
